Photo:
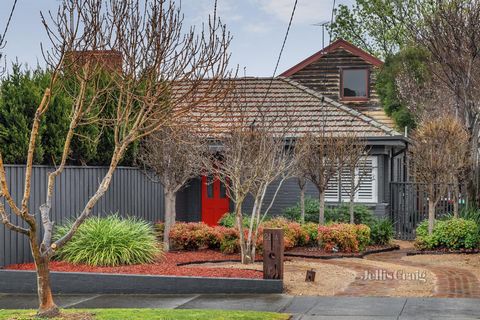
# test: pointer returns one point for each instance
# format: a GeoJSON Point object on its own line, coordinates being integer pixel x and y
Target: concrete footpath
{"type": "Point", "coordinates": [300, 307]}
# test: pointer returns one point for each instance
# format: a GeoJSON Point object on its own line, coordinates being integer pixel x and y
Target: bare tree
{"type": "Point", "coordinates": [3, 40]}
{"type": "Point", "coordinates": [436, 149]}
{"type": "Point", "coordinates": [449, 33]}
{"type": "Point", "coordinates": [302, 183]}
{"type": "Point", "coordinates": [354, 168]}
{"type": "Point", "coordinates": [320, 158]}
{"type": "Point", "coordinates": [157, 81]}
{"type": "Point", "coordinates": [175, 154]}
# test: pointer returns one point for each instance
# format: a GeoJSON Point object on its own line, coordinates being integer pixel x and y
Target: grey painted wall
{"type": "Point", "coordinates": [131, 193]}
{"type": "Point", "coordinates": [289, 193]}
{"type": "Point", "coordinates": [189, 201]}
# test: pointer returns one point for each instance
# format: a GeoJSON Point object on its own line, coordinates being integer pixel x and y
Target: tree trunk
{"type": "Point", "coordinates": [321, 199]}
{"type": "Point", "coordinates": [456, 196]}
{"type": "Point", "coordinates": [246, 255]}
{"type": "Point", "coordinates": [351, 207]}
{"type": "Point", "coordinates": [170, 217]}
{"type": "Point", "coordinates": [431, 214]}
{"type": "Point", "coordinates": [47, 307]}
{"type": "Point", "coordinates": [302, 205]}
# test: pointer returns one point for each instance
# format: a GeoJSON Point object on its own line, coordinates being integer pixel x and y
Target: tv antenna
{"type": "Point", "coordinates": [322, 24]}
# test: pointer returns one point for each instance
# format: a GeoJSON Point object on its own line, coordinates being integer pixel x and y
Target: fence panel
{"type": "Point", "coordinates": [131, 193]}
{"type": "Point", "coordinates": [409, 206]}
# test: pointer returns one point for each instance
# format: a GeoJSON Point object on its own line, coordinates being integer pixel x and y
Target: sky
{"type": "Point", "coordinates": [257, 26]}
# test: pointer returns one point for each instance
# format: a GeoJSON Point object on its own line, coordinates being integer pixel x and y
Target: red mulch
{"type": "Point", "coordinates": [165, 266]}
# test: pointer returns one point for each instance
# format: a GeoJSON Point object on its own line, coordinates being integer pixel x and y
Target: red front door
{"type": "Point", "coordinates": [215, 202]}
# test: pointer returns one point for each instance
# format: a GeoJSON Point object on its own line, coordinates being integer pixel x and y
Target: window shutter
{"type": "Point", "coordinates": [331, 194]}
{"type": "Point", "coordinates": [367, 191]}
{"type": "Point", "coordinates": [366, 173]}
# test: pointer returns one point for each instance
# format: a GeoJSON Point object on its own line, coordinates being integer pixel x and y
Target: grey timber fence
{"type": "Point", "coordinates": [131, 193]}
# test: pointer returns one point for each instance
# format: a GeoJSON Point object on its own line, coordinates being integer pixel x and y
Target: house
{"type": "Point", "coordinates": [332, 90]}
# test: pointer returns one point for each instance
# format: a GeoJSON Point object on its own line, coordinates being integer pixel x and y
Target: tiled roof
{"type": "Point", "coordinates": [285, 103]}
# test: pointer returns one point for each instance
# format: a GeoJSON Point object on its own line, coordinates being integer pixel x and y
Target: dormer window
{"type": "Point", "coordinates": [354, 84]}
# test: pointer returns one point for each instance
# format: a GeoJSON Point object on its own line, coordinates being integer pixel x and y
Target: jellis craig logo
{"type": "Point", "coordinates": [400, 275]}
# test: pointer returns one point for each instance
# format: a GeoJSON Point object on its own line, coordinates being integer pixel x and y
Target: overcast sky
{"type": "Point", "coordinates": [257, 27]}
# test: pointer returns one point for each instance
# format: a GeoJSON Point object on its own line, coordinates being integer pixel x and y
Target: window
{"type": "Point", "coordinates": [354, 84]}
{"type": "Point", "coordinates": [210, 186]}
{"type": "Point", "coordinates": [223, 190]}
{"type": "Point", "coordinates": [338, 187]}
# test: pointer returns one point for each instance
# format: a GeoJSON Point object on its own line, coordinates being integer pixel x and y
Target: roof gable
{"type": "Point", "coordinates": [340, 43]}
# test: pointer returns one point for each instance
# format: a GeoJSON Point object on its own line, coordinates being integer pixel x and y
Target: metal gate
{"type": "Point", "coordinates": [409, 207]}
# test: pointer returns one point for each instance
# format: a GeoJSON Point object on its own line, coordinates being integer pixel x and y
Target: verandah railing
{"type": "Point", "coordinates": [409, 206]}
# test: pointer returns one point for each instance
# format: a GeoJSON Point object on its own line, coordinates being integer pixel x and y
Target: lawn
{"type": "Point", "coordinates": [141, 314]}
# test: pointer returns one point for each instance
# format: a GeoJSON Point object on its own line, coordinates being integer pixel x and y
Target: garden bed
{"type": "Point", "coordinates": [173, 264]}
{"type": "Point", "coordinates": [443, 251]}
{"type": "Point", "coordinates": [319, 253]}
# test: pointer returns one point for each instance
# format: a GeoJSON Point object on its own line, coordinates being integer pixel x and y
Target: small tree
{"type": "Point", "coordinates": [320, 158]}
{"type": "Point", "coordinates": [354, 167]}
{"type": "Point", "coordinates": [302, 183]}
{"type": "Point", "coordinates": [437, 146]}
{"type": "Point", "coordinates": [154, 57]}
{"type": "Point", "coordinates": [175, 154]}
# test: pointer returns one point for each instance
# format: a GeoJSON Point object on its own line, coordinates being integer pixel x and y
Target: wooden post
{"type": "Point", "coordinates": [273, 254]}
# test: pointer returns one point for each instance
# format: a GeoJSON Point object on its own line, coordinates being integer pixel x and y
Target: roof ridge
{"type": "Point", "coordinates": [341, 106]}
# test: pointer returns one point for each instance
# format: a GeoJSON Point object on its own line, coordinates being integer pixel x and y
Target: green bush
{"type": "Point", "coordinates": [229, 242]}
{"type": "Point", "coordinates": [311, 229]}
{"type": "Point", "coordinates": [110, 241]}
{"type": "Point", "coordinates": [229, 220]}
{"type": "Point", "coordinates": [471, 213]}
{"type": "Point", "coordinates": [345, 237]}
{"type": "Point", "coordinates": [194, 236]}
{"type": "Point", "coordinates": [362, 214]}
{"type": "Point", "coordinates": [294, 235]}
{"type": "Point", "coordinates": [454, 233]}
{"type": "Point", "coordinates": [311, 211]}
{"type": "Point", "coordinates": [381, 232]}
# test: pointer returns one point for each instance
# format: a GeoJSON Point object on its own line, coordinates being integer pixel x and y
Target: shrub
{"type": "Point", "coordinates": [381, 232]}
{"type": "Point", "coordinates": [229, 242]}
{"type": "Point", "coordinates": [471, 213]}
{"type": "Point", "coordinates": [110, 241]}
{"type": "Point", "coordinates": [363, 236]}
{"type": "Point", "coordinates": [294, 235]}
{"type": "Point", "coordinates": [344, 237]}
{"type": "Point", "coordinates": [362, 214]}
{"type": "Point", "coordinates": [193, 236]}
{"type": "Point", "coordinates": [311, 211]}
{"type": "Point", "coordinates": [311, 229]}
{"type": "Point", "coordinates": [229, 220]}
{"type": "Point", "coordinates": [159, 228]}
{"type": "Point", "coordinates": [454, 233]}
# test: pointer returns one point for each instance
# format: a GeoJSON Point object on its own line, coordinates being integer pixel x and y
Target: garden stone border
{"type": "Point", "coordinates": [439, 252]}
{"type": "Point", "coordinates": [341, 256]}
{"type": "Point", "coordinates": [19, 281]}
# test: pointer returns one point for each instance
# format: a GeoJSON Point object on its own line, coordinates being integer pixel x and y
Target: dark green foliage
{"type": "Point", "coordinates": [411, 61]}
{"type": "Point", "coordinates": [110, 241]}
{"type": "Point", "coordinates": [454, 233]}
{"type": "Point", "coordinates": [335, 214]}
{"type": "Point", "coordinates": [20, 95]}
{"type": "Point", "coordinates": [381, 232]}
{"type": "Point", "coordinates": [228, 220]}
{"type": "Point", "coordinates": [471, 213]}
